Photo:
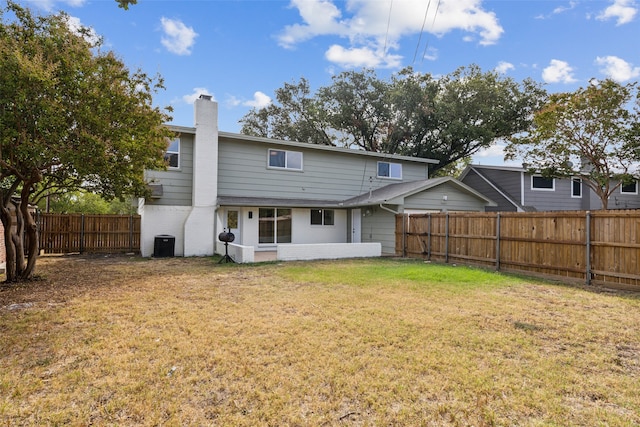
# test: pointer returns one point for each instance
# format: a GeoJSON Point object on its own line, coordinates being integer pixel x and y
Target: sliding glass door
{"type": "Point", "coordinates": [274, 225]}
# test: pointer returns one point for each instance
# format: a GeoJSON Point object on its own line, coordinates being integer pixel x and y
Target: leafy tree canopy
{"type": "Point", "coordinates": [125, 3]}
{"type": "Point", "coordinates": [82, 202]}
{"type": "Point", "coordinates": [72, 116]}
{"type": "Point", "coordinates": [447, 118]}
{"type": "Point", "coordinates": [592, 133]}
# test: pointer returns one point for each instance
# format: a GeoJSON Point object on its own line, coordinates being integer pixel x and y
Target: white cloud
{"type": "Point", "coordinates": [88, 33]}
{"type": "Point", "coordinates": [260, 100]}
{"type": "Point", "coordinates": [558, 10]}
{"type": "Point", "coordinates": [503, 67]}
{"type": "Point", "coordinates": [197, 91]}
{"type": "Point", "coordinates": [623, 11]}
{"type": "Point", "coordinates": [360, 57]}
{"type": "Point", "coordinates": [179, 38]}
{"type": "Point", "coordinates": [617, 68]}
{"type": "Point", "coordinates": [495, 150]}
{"type": "Point", "coordinates": [373, 28]}
{"type": "Point", "coordinates": [48, 5]}
{"type": "Point", "coordinates": [558, 72]}
{"type": "Point", "coordinates": [320, 17]}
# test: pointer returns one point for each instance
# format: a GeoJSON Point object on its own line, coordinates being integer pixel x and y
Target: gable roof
{"type": "Point", "coordinates": [478, 170]}
{"type": "Point", "coordinates": [393, 194]}
{"type": "Point", "coordinates": [305, 145]}
{"type": "Point", "coordinates": [491, 167]}
{"type": "Point", "coordinates": [396, 193]}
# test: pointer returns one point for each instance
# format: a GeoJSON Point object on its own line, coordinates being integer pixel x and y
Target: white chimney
{"type": "Point", "coordinates": [205, 152]}
{"type": "Point", "coordinates": [199, 226]}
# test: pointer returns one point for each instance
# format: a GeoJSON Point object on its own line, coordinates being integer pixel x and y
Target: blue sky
{"type": "Point", "coordinates": [241, 51]}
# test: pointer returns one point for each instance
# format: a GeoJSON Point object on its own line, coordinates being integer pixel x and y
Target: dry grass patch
{"type": "Point", "coordinates": [112, 341]}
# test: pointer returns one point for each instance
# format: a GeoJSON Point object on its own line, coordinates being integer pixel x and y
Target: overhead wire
{"type": "Point", "coordinates": [386, 36]}
{"type": "Point", "coordinates": [424, 21]}
{"type": "Point", "coordinates": [424, 54]}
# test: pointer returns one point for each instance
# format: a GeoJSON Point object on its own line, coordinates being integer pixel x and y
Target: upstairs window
{"type": "Point", "coordinates": [576, 187]}
{"type": "Point", "coordinates": [542, 183]}
{"type": "Point", "coordinates": [322, 217]}
{"type": "Point", "coordinates": [389, 170]}
{"type": "Point", "coordinates": [282, 159]}
{"type": "Point", "coordinates": [629, 188]}
{"type": "Point", "coordinates": [172, 155]}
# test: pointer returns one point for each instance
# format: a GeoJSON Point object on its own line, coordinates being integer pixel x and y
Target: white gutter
{"type": "Point", "coordinates": [388, 209]}
{"type": "Point", "coordinates": [522, 188]}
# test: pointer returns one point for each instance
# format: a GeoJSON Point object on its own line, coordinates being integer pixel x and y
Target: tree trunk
{"type": "Point", "coordinates": [18, 240]}
{"type": "Point", "coordinates": [7, 223]}
{"type": "Point", "coordinates": [31, 234]}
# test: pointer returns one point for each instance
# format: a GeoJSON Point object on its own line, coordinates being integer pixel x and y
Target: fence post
{"type": "Point", "coordinates": [429, 240]}
{"type": "Point", "coordinates": [446, 237]}
{"type": "Point", "coordinates": [130, 233]}
{"type": "Point", "coordinates": [498, 241]}
{"type": "Point", "coordinates": [588, 249]}
{"type": "Point", "coordinates": [81, 234]}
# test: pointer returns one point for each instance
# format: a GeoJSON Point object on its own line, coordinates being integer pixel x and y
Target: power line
{"type": "Point", "coordinates": [426, 12]}
{"type": "Point", "coordinates": [384, 51]}
{"type": "Point", "coordinates": [432, 26]}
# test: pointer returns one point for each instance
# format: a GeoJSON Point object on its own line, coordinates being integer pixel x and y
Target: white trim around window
{"type": "Point", "coordinates": [541, 183]}
{"type": "Point", "coordinates": [172, 155]}
{"type": "Point", "coordinates": [576, 188]}
{"type": "Point", "coordinates": [630, 188]}
{"type": "Point", "coordinates": [389, 170]}
{"type": "Point", "coordinates": [284, 159]}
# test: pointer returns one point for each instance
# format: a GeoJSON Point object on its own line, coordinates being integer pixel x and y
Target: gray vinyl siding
{"type": "Point", "coordinates": [379, 226]}
{"type": "Point", "coordinates": [457, 200]}
{"type": "Point", "coordinates": [177, 184]}
{"type": "Point", "coordinates": [483, 187]}
{"type": "Point", "coordinates": [619, 200]}
{"type": "Point", "coordinates": [326, 175]}
{"type": "Point", "coordinates": [513, 182]}
{"type": "Point", "coordinates": [561, 199]}
{"type": "Point", "coordinates": [557, 200]}
{"type": "Point", "coordinates": [508, 181]}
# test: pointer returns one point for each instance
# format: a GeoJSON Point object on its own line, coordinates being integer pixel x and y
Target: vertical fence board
{"type": "Point", "coordinates": [543, 243]}
{"type": "Point", "coordinates": [70, 233]}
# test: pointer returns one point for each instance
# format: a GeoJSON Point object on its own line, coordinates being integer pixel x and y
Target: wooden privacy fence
{"type": "Point", "coordinates": [70, 233]}
{"type": "Point", "coordinates": [597, 247]}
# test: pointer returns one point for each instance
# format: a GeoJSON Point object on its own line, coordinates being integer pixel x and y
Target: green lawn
{"type": "Point", "coordinates": [125, 341]}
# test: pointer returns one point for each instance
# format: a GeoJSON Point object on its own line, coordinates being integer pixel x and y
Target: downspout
{"type": "Point", "coordinates": [522, 189]}
{"type": "Point", "coordinates": [383, 207]}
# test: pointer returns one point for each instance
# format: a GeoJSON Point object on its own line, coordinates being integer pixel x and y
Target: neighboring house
{"type": "Point", "coordinates": [515, 189]}
{"type": "Point", "coordinates": [310, 200]}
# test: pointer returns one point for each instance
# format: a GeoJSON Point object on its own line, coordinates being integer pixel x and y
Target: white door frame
{"type": "Point", "coordinates": [236, 230]}
{"type": "Point", "coordinates": [356, 226]}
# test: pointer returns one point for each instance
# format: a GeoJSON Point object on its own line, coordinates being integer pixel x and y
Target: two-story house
{"type": "Point", "coordinates": [517, 190]}
{"type": "Point", "coordinates": [310, 201]}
